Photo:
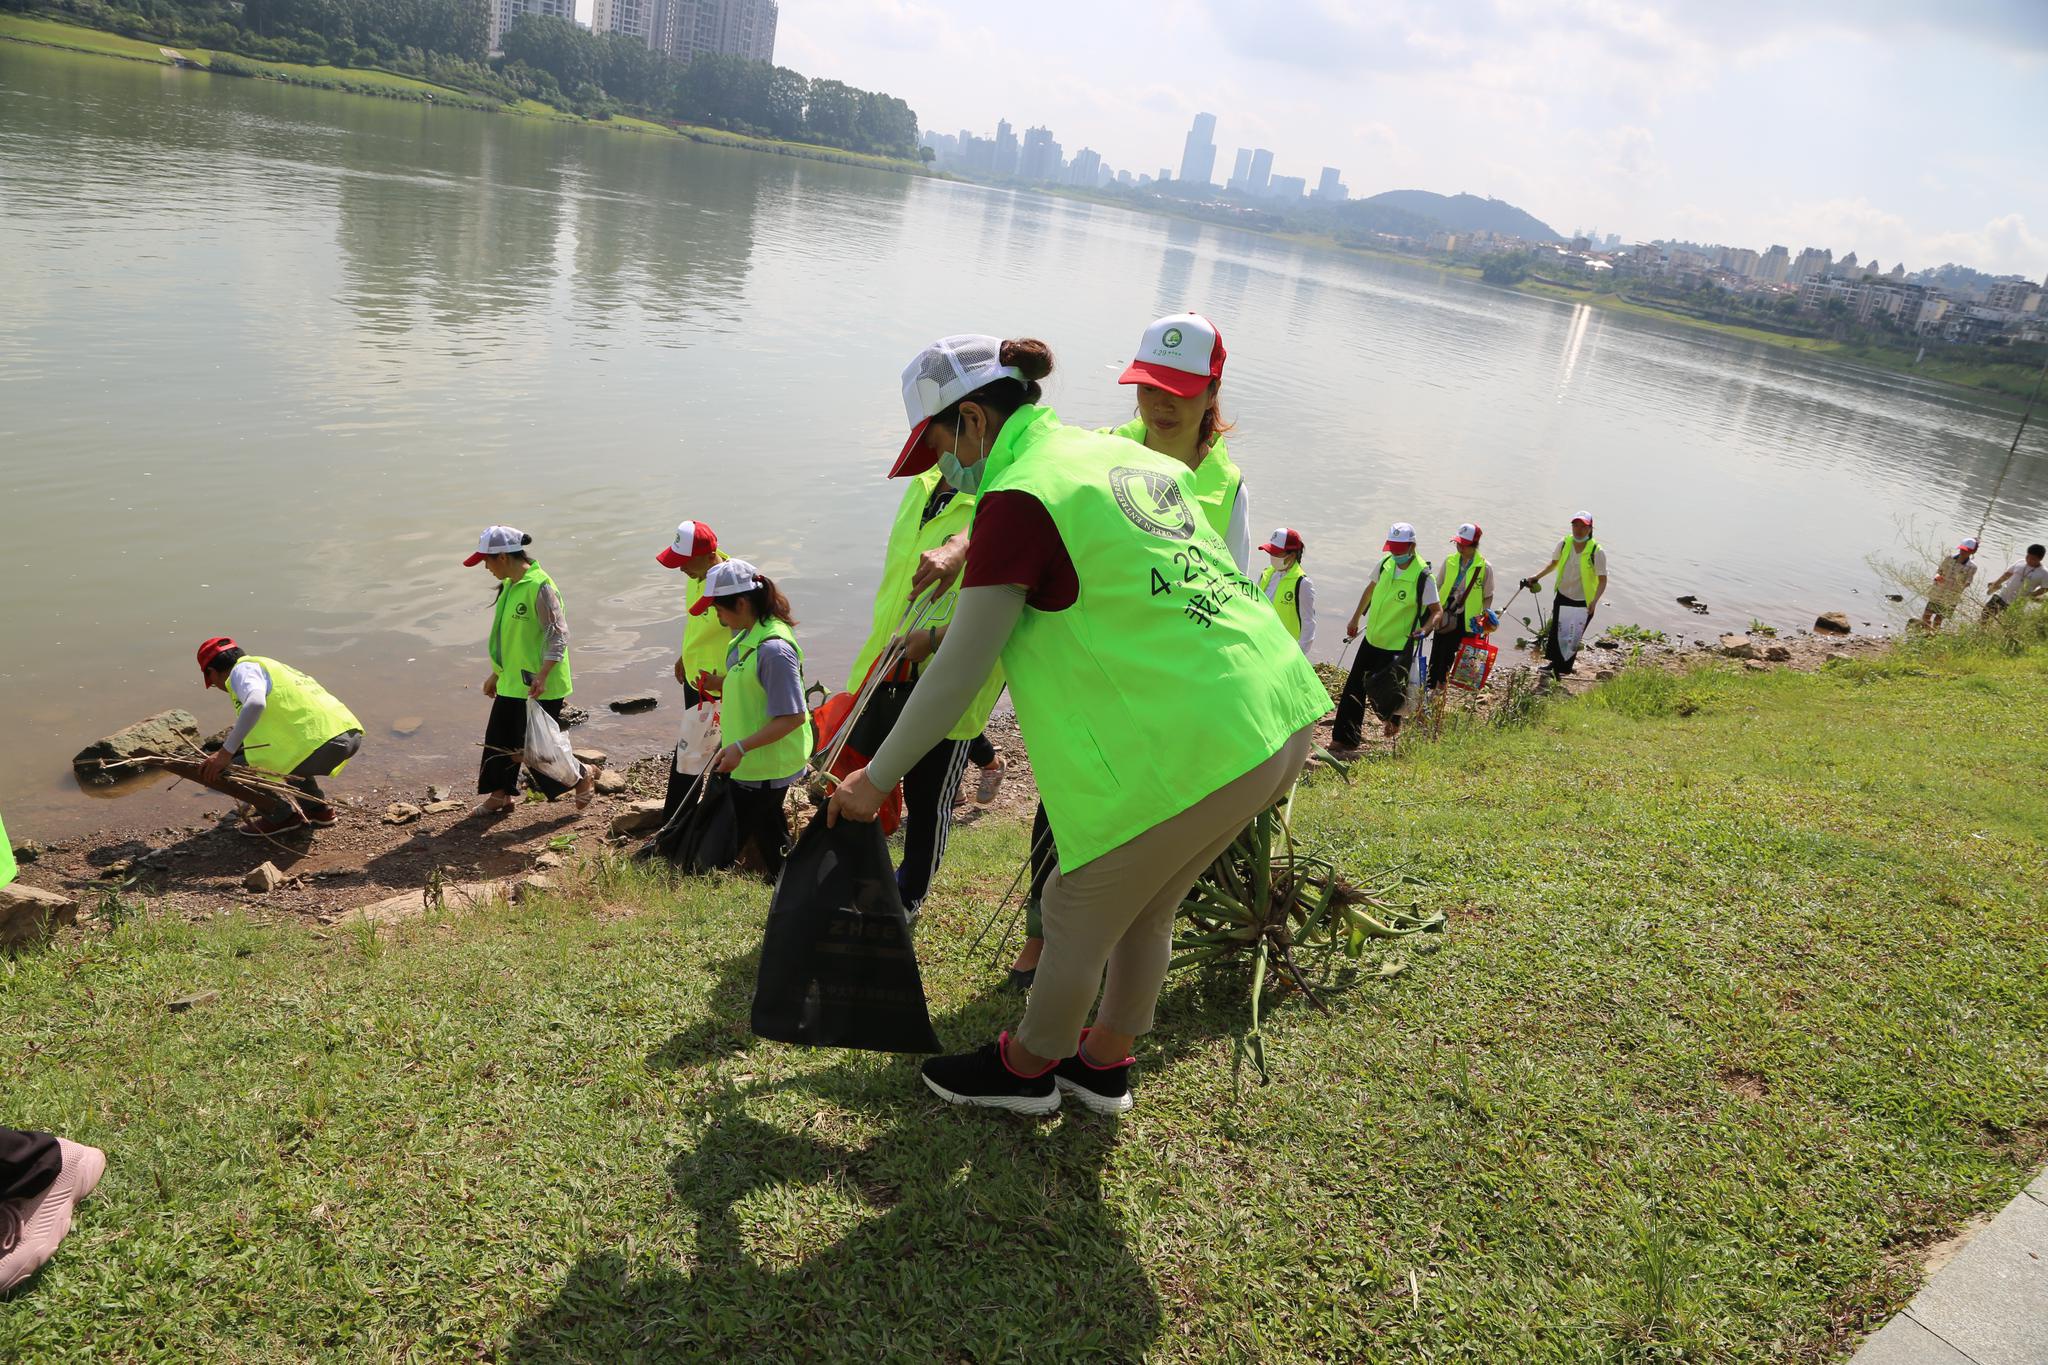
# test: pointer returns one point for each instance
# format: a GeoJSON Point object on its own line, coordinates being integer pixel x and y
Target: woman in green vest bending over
{"type": "Point", "coordinates": [762, 720]}
{"type": "Point", "coordinates": [529, 647]}
{"type": "Point", "coordinates": [1125, 631]}
{"type": "Point", "coordinates": [285, 724]}
{"type": "Point", "coordinates": [1178, 371]}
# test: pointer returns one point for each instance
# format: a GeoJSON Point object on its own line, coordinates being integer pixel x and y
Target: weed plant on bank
{"type": "Point", "coordinates": [1738, 1009]}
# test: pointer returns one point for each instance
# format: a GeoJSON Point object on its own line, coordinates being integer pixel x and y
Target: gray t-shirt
{"type": "Point", "coordinates": [782, 678]}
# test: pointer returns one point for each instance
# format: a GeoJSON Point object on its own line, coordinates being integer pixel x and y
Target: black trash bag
{"type": "Point", "coordinates": [1386, 687]}
{"type": "Point", "coordinates": [837, 965]}
{"type": "Point", "coordinates": [704, 833]}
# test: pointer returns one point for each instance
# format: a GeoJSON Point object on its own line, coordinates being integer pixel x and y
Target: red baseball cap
{"type": "Point", "coordinates": [213, 649]}
{"type": "Point", "coordinates": [1182, 353]}
{"type": "Point", "coordinates": [1468, 535]}
{"type": "Point", "coordinates": [693, 538]}
{"type": "Point", "coordinates": [1284, 542]}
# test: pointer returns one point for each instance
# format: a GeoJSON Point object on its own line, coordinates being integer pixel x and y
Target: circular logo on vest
{"type": "Point", "coordinates": [1153, 502]}
{"type": "Point", "coordinates": [1171, 341]}
{"type": "Point", "coordinates": [519, 608]}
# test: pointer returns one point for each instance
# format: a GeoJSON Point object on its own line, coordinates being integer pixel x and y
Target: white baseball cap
{"type": "Point", "coordinates": [1468, 534]}
{"type": "Point", "coordinates": [1181, 353]}
{"type": "Point", "coordinates": [1583, 515]}
{"type": "Point", "coordinates": [497, 540]}
{"type": "Point", "coordinates": [1284, 541]}
{"type": "Point", "coordinates": [693, 538]}
{"type": "Point", "coordinates": [1400, 533]}
{"type": "Point", "coordinates": [941, 375]}
{"type": "Point", "coordinates": [1969, 545]}
{"type": "Point", "coordinates": [728, 578]}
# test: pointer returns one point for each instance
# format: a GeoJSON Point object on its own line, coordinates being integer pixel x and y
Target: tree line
{"type": "Point", "coordinates": [547, 59]}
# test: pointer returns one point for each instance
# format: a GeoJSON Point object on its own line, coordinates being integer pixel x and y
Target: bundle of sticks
{"type": "Point", "coordinates": [251, 786]}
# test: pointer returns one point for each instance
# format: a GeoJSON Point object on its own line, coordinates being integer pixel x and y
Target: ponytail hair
{"type": "Point", "coordinates": [767, 600]}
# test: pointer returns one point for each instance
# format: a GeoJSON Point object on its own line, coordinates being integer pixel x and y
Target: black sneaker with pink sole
{"type": "Point", "coordinates": [1100, 1089]}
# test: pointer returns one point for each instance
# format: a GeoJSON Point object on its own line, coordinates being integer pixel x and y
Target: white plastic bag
{"type": "Point", "coordinates": [1418, 677]}
{"type": "Point", "coordinates": [1570, 626]}
{"type": "Point", "coordinates": [547, 748]}
{"type": "Point", "coordinates": [698, 739]}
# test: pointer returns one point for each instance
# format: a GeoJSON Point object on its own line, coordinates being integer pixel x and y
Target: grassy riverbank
{"type": "Point", "coordinates": [370, 81]}
{"type": "Point", "coordinates": [1739, 1008]}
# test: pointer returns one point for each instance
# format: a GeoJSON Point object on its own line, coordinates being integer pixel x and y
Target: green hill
{"type": "Point", "coordinates": [1468, 213]}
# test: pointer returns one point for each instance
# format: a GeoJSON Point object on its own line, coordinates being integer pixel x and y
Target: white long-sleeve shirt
{"type": "Point", "coordinates": [249, 683]}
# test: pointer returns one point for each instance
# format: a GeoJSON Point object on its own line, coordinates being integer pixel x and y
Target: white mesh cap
{"type": "Point", "coordinates": [939, 376]}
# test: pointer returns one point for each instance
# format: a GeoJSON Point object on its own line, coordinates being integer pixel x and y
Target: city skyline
{"type": "Point", "coordinates": [1903, 130]}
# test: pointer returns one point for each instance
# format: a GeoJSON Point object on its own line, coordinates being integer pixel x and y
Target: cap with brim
{"type": "Point", "coordinates": [936, 378]}
{"type": "Point", "coordinates": [213, 649]}
{"type": "Point", "coordinates": [1968, 547]}
{"type": "Point", "coordinates": [1398, 535]}
{"type": "Point", "coordinates": [728, 578]}
{"type": "Point", "coordinates": [1181, 353]}
{"type": "Point", "coordinates": [1586, 517]}
{"type": "Point", "coordinates": [1467, 535]}
{"type": "Point", "coordinates": [693, 538]}
{"type": "Point", "coordinates": [1284, 542]}
{"type": "Point", "coordinates": [496, 540]}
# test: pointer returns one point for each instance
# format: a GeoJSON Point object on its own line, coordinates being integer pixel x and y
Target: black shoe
{"type": "Point", "coordinates": [1103, 1089]}
{"type": "Point", "coordinates": [984, 1079]}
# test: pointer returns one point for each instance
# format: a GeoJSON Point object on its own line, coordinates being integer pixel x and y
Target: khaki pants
{"type": "Point", "coordinates": [1117, 912]}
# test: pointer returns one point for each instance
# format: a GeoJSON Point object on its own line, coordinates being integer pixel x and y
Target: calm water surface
{"type": "Point", "coordinates": [269, 358]}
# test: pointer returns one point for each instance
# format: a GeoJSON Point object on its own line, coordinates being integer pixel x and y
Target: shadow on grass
{"type": "Point", "coordinates": [973, 1236]}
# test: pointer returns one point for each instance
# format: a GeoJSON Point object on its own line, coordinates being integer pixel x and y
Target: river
{"type": "Point", "coordinates": [271, 357]}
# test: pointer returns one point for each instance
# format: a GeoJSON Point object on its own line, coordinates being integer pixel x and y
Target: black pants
{"type": "Point", "coordinates": [764, 823]}
{"type": "Point", "coordinates": [1045, 856]}
{"type": "Point", "coordinates": [505, 742]}
{"type": "Point", "coordinates": [28, 1163]}
{"type": "Point", "coordinates": [1443, 656]}
{"type": "Point", "coordinates": [1347, 730]}
{"type": "Point", "coordinates": [929, 790]}
{"type": "Point", "coordinates": [318, 764]}
{"type": "Point", "coordinates": [679, 784]}
{"type": "Point", "coordinates": [1558, 663]}
{"type": "Point", "coordinates": [981, 751]}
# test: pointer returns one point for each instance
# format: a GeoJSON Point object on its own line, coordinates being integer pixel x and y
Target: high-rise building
{"type": "Point", "coordinates": [1086, 169]}
{"type": "Point", "coordinates": [631, 18]}
{"type": "Point", "coordinates": [1198, 155]}
{"type": "Point", "coordinates": [1330, 189]}
{"type": "Point", "coordinates": [1260, 179]}
{"type": "Point", "coordinates": [1774, 265]}
{"type": "Point", "coordinates": [1812, 263]}
{"type": "Point", "coordinates": [1240, 172]}
{"type": "Point", "coordinates": [1040, 158]}
{"type": "Point", "coordinates": [684, 29]}
{"type": "Point", "coordinates": [1006, 149]}
{"type": "Point", "coordinates": [504, 12]}
{"type": "Point", "coordinates": [1287, 187]}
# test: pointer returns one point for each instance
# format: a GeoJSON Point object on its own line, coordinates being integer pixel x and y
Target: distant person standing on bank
{"type": "Point", "coordinates": [1467, 587]}
{"type": "Point", "coordinates": [700, 666]}
{"type": "Point", "coordinates": [1178, 372]}
{"type": "Point", "coordinates": [1399, 607]}
{"type": "Point", "coordinates": [287, 725]}
{"type": "Point", "coordinates": [1292, 592]}
{"type": "Point", "coordinates": [2025, 581]}
{"type": "Point", "coordinates": [764, 726]}
{"type": "Point", "coordinates": [1952, 578]}
{"type": "Point", "coordinates": [529, 651]}
{"type": "Point", "coordinates": [1581, 566]}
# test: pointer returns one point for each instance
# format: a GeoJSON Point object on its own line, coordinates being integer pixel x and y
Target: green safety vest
{"type": "Point", "coordinates": [1391, 616]}
{"type": "Point", "coordinates": [518, 642]}
{"type": "Point", "coordinates": [1286, 601]}
{"type": "Point", "coordinates": [1474, 589]}
{"type": "Point", "coordinates": [1588, 579]}
{"type": "Point", "coordinates": [1216, 482]}
{"type": "Point", "coordinates": [299, 717]}
{"type": "Point", "coordinates": [744, 708]}
{"type": "Point", "coordinates": [1167, 678]}
{"type": "Point", "coordinates": [6, 857]}
{"type": "Point", "coordinates": [909, 538]}
{"type": "Point", "coordinates": [704, 640]}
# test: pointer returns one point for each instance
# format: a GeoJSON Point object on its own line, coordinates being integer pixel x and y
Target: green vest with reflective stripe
{"type": "Point", "coordinates": [1391, 617]}
{"type": "Point", "coordinates": [518, 642]}
{"type": "Point", "coordinates": [298, 718]}
{"type": "Point", "coordinates": [1473, 590]}
{"type": "Point", "coordinates": [6, 857]}
{"type": "Point", "coordinates": [909, 538]}
{"type": "Point", "coordinates": [1216, 482]}
{"type": "Point", "coordinates": [1588, 578]}
{"type": "Point", "coordinates": [1286, 600]}
{"type": "Point", "coordinates": [1167, 678]}
{"type": "Point", "coordinates": [704, 640]}
{"type": "Point", "coordinates": [744, 708]}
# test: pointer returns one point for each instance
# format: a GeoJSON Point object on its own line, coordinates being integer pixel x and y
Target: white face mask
{"type": "Point", "coordinates": [1278, 561]}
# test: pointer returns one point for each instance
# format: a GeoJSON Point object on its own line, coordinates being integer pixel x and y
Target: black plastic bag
{"type": "Point", "coordinates": [1386, 687]}
{"type": "Point", "coordinates": [837, 965]}
{"type": "Point", "coordinates": [879, 716]}
{"type": "Point", "coordinates": [704, 833]}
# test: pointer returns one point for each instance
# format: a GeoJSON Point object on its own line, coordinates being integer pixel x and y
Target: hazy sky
{"type": "Point", "coordinates": [1890, 128]}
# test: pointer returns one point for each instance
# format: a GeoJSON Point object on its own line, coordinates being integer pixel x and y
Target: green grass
{"type": "Point", "coordinates": [51, 33]}
{"type": "Point", "coordinates": [1740, 1006]}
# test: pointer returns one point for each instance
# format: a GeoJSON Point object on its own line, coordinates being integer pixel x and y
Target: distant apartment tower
{"type": "Point", "coordinates": [1330, 189]}
{"type": "Point", "coordinates": [2010, 295]}
{"type": "Point", "coordinates": [1774, 265]}
{"type": "Point", "coordinates": [686, 29]}
{"type": "Point", "coordinates": [505, 12]}
{"type": "Point", "coordinates": [1087, 168]}
{"type": "Point", "coordinates": [1812, 263]}
{"type": "Point", "coordinates": [1260, 178]}
{"type": "Point", "coordinates": [1242, 170]}
{"type": "Point", "coordinates": [1288, 187]}
{"type": "Point", "coordinates": [629, 18]}
{"type": "Point", "coordinates": [1198, 155]}
{"type": "Point", "coordinates": [1006, 149]}
{"type": "Point", "coordinates": [1040, 159]}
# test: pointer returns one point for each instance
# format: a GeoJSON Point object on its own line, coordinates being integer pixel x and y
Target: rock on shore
{"type": "Point", "coordinates": [166, 732]}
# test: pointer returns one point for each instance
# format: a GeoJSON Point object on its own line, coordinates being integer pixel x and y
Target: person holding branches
{"type": "Point", "coordinates": [764, 728]}
{"type": "Point", "coordinates": [1581, 581]}
{"type": "Point", "coordinates": [1123, 626]}
{"type": "Point", "coordinates": [529, 650]}
{"type": "Point", "coordinates": [286, 724]}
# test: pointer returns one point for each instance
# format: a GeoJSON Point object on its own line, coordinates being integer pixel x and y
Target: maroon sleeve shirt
{"type": "Point", "coordinates": [1015, 541]}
